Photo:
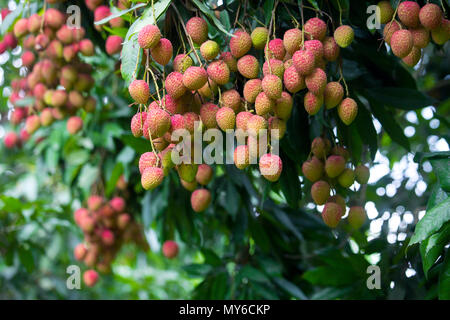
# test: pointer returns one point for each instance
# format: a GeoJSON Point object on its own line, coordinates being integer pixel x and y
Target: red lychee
{"type": "Point", "coordinates": [200, 200]}
{"type": "Point", "coordinates": [152, 177]}
{"type": "Point", "coordinates": [204, 174]}
{"type": "Point", "coordinates": [315, 28]}
{"type": "Point", "coordinates": [90, 277]}
{"type": "Point", "coordinates": [332, 214]}
{"type": "Point", "coordinates": [113, 44]}
{"type": "Point", "coordinates": [162, 52]}
{"type": "Point", "coordinates": [240, 43]}
{"type": "Point", "coordinates": [320, 192]}
{"type": "Point", "coordinates": [347, 110]}
{"type": "Point", "coordinates": [74, 124]}
{"type": "Point", "coordinates": [408, 13]}
{"type": "Point", "coordinates": [303, 61]}
{"type": "Point", "coordinates": [248, 66]}
{"type": "Point", "coordinates": [270, 166]}
{"type": "Point", "coordinates": [170, 249]}
{"type": "Point", "coordinates": [195, 77]}
{"type": "Point", "coordinates": [139, 91]}
{"type": "Point", "coordinates": [197, 29]}
{"type": "Point", "coordinates": [219, 72]}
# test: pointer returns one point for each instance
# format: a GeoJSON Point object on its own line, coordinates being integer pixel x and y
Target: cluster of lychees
{"type": "Point", "coordinates": [50, 54]}
{"type": "Point", "coordinates": [408, 37]}
{"type": "Point", "coordinates": [106, 227]}
{"type": "Point", "coordinates": [328, 167]}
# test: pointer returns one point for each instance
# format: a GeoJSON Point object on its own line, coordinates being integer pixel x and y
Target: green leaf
{"type": "Point", "coordinates": [268, 7]}
{"type": "Point", "coordinates": [400, 98]}
{"type": "Point", "coordinates": [431, 248]}
{"type": "Point", "coordinates": [203, 8]}
{"type": "Point", "coordinates": [87, 176]}
{"type": "Point", "coordinates": [120, 13]}
{"type": "Point", "coordinates": [431, 222]}
{"type": "Point", "coordinates": [366, 129]}
{"type": "Point", "coordinates": [290, 183]}
{"type": "Point", "coordinates": [211, 257]}
{"type": "Point", "coordinates": [441, 168]}
{"type": "Point", "coordinates": [26, 258]}
{"type": "Point", "coordinates": [444, 279]}
{"type": "Point", "coordinates": [290, 288]}
{"type": "Point", "coordinates": [140, 145]}
{"type": "Point", "coordinates": [112, 181]}
{"type": "Point", "coordinates": [329, 276]}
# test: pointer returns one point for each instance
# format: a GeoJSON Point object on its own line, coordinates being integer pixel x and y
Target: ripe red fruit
{"type": "Point", "coordinates": [430, 16]}
{"type": "Point", "coordinates": [158, 122]}
{"type": "Point", "coordinates": [293, 80]}
{"type": "Point", "coordinates": [174, 85]}
{"type": "Point", "coordinates": [226, 118]}
{"type": "Point", "coordinates": [292, 40]}
{"type": "Point", "coordinates": [80, 252]}
{"type": "Point", "coordinates": [303, 61]}
{"type": "Point", "coordinates": [330, 49]}
{"type": "Point", "coordinates": [219, 72]}
{"type": "Point", "coordinates": [248, 66]}
{"type": "Point", "coordinates": [32, 124]}
{"type": "Point", "coordinates": [149, 36]}
{"type": "Point", "coordinates": [195, 77]}
{"type": "Point", "coordinates": [316, 47]}
{"type": "Point", "coordinates": [274, 66]}
{"type": "Point", "coordinates": [11, 140]}
{"type": "Point", "coordinates": [232, 99]}
{"type": "Point", "coordinates": [107, 237]}
{"type": "Point", "coordinates": [208, 113]}
{"type": "Point", "coordinates": [170, 249]}
{"type": "Point", "coordinates": [54, 18]}
{"type": "Point", "coordinates": [101, 13]}
{"type": "Point", "coordinates": [197, 29]}
{"type": "Point", "coordinates": [74, 124]}
{"type": "Point", "coordinates": [231, 61]}
{"type": "Point", "coordinates": [270, 166]}
{"type": "Point", "coordinates": [316, 81]}
{"type": "Point", "coordinates": [86, 47]}
{"type": "Point", "coordinates": [276, 49]}
{"type": "Point", "coordinates": [256, 124]}
{"type": "Point", "coordinates": [251, 90]}
{"type": "Point", "coordinates": [408, 13]}
{"type": "Point", "coordinates": [402, 43]}
{"type": "Point", "coordinates": [137, 123]}
{"type": "Point", "coordinates": [320, 192]}
{"type": "Point", "coordinates": [118, 204]}
{"type": "Point", "coordinates": [272, 86]}
{"type": "Point", "coordinates": [21, 28]}
{"type": "Point", "coordinates": [332, 214]}
{"type": "Point", "coordinates": [28, 58]}
{"type": "Point", "coordinates": [312, 102]}
{"type": "Point", "coordinates": [139, 91]}
{"type": "Point", "coordinates": [113, 44]}
{"type": "Point", "coordinates": [123, 220]}
{"type": "Point", "coordinates": [240, 43]}
{"type": "Point", "coordinates": [204, 174]}
{"type": "Point", "coordinates": [315, 28]}
{"type": "Point", "coordinates": [94, 202]}
{"type": "Point", "coordinates": [200, 199]}
{"type": "Point", "coordinates": [90, 277]}
{"type": "Point", "coordinates": [162, 52]}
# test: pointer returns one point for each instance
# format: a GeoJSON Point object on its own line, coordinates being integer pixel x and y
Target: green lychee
{"type": "Point", "coordinates": [320, 192]}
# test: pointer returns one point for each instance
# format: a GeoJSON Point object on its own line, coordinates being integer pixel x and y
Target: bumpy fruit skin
{"type": "Point", "coordinates": [316, 47]}
{"type": "Point", "coordinates": [334, 166]}
{"type": "Point", "coordinates": [441, 34]}
{"type": "Point", "coordinates": [149, 36]}
{"type": "Point", "coordinates": [139, 91]}
{"type": "Point", "coordinates": [194, 78]}
{"type": "Point", "coordinates": [293, 81]}
{"type": "Point", "coordinates": [259, 37]}
{"type": "Point", "coordinates": [255, 124]}
{"type": "Point", "coordinates": [113, 44]}
{"type": "Point", "coordinates": [316, 81]}
{"type": "Point", "coordinates": [386, 11]}
{"type": "Point", "coordinates": [74, 124]}
{"type": "Point", "coordinates": [313, 169]}
{"type": "Point", "coordinates": [283, 106]}
{"type": "Point", "coordinates": [240, 43]}
{"type": "Point", "coordinates": [362, 174]}
{"type": "Point", "coordinates": [209, 49]}
{"type": "Point", "coordinates": [200, 200]}
{"type": "Point", "coordinates": [332, 214]}
{"type": "Point", "coordinates": [208, 113]}
{"type": "Point", "coordinates": [152, 177]}
{"type": "Point", "coordinates": [347, 110]}
{"type": "Point", "coordinates": [276, 49]}
{"type": "Point", "coordinates": [303, 61]}
{"type": "Point", "coordinates": [315, 28]}
{"type": "Point", "coordinates": [402, 43]}
{"type": "Point", "coordinates": [204, 174]}
{"type": "Point", "coordinates": [241, 157]}
{"type": "Point", "coordinates": [181, 62]}
{"type": "Point", "coordinates": [389, 30]}
{"type": "Point", "coordinates": [162, 52]}
{"type": "Point", "coordinates": [251, 90]}
{"type": "Point", "coordinates": [11, 140]}
{"type": "Point", "coordinates": [270, 166]}
{"type": "Point", "coordinates": [219, 72]}
{"type": "Point", "coordinates": [174, 85]}
{"type": "Point", "coordinates": [170, 249]}
{"type": "Point", "coordinates": [430, 16]}
{"type": "Point", "coordinates": [408, 13]}
{"type": "Point", "coordinates": [292, 40]}
{"type": "Point", "coordinates": [421, 37]}
{"type": "Point", "coordinates": [320, 192]}
{"type": "Point", "coordinates": [333, 94]}
{"type": "Point", "coordinates": [272, 86]}
{"type": "Point", "coordinates": [263, 104]}
{"type": "Point", "coordinates": [197, 29]}
{"type": "Point", "coordinates": [242, 120]}
{"type": "Point", "coordinates": [147, 159]}
{"type": "Point", "coordinates": [356, 217]}
{"type": "Point", "coordinates": [226, 118]}
{"type": "Point", "coordinates": [232, 99]}
{"type": "Point", "coordinates": [90, 277]}
{"type": "Point", "coordinates": [312, 103]}
{"type": "Point", "coordinates": [248, 66]}
{"type": "Point", "coordinates": [274, 66]}
{"type": "Point", "coordinates": [413, 57]}
{"type": "Point", "coordinates": [346, 178]}
{"type": "Point", "coordinates": [331, 49]}
{"type": "Point", "coordinates": [344, 36]}
{"type": "Point", "coordinates": [158, 122]}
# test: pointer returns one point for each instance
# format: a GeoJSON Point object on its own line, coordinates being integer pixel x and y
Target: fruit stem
{"type": "Point", "coordinates": [340, 12]}
{"type": "Point", "coordinates": [43, 15]}
{"type": "Point", "coordinates": [153, 147]}
{"type": "Point", "coordinates": [303, 22]}
{"type": "Point", "coordinates": [342, 78]}
{"type": "Point", "coordinates": [297, 24]}
{"type": "Point", "coordinates": [156, 83]}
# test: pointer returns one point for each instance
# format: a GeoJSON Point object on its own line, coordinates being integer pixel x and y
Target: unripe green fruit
{"type": "Point", "coordinates": [356, 217]}
{"type": "Point", "coordinates": [332, 214]}
{"type": "Point", "coordinates": [402, 43]}
{"type": "Point", "coordinates": [274, 66]}
{"type": "Point", "coordinates": [320, 147]}
{"type": "Point", "coordinates": [344, 36]}
{"type": "Point", "coordinates": [441, 34]}
{"type": "Point", "coordinates": [259, 37]}
{"type": "Point", "coordinates": [346, 178]}
{"type": "Point", "coordinates": [338, 200]}
{"type": "Point", "coordinates": [347, 110]}
{"type": "Point", "coordinates": [209, 49]}
{"type": "Point", "coordinates": [341, 151]}
{"type": "Point", "coordinates": [277, 128]}
{"type": "Point", "coordinates": [189, 186]}
{"type": "Point", "coordinates": [362, 174]}
{"type": "Point", "coordinates": [139, 91]}
{"type": "Point", "coordinates": [255, 124]}
{"type": "Point", "coordinates": [320, 192]}
{"type": "Point", "coordinates": [181, 62]}
{"type": "Point", "coordinates": [270, 166]}
{"type": "Point", "coordinates": [187, 172]}
{"type": "Point", "coordinates": [333, 94]}
{"type": "Point", "coordinates": [200, 200]}
{"type": "Point", "coordinates": [386, 11]}
{"type": "Point", "coordinates": [209, 89]}
{"type": "Point", "coordinates": [334, 166]}
{"type": "Point", "coordinates": [152, 177]}
{"type": "Point", "coordinates": [283, 106]}
{"type": "Point", "coordinates": [313, 169]}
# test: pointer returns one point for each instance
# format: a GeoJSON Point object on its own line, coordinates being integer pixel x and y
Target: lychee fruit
{"type": "Point", "coordinates": [28, 58]}
{"type": "Point", "coordinates": [117, 204]}
{"type": "Point", "coordinates": [240, 43]}
{"type": "Point", "coordinates": [251, 90]}
{"type": "Point", "coordinates": [152, 177]}
{"type": "Point", "coordinates": [204, 174]}
{"type": "Point", "coordinates": [259, 37]}
{"type": "Point", "coordinates": [441, 34]}
{"type": "Point", "coordinates": [107, 237]}
{"type": "Point", "coordinates": [46, 117]}
{"type": "Point", "coordinates": [219, 72]}
{"type": "Point", "coordinates": [277, 128]}
{"type": "Point", "coordinates": [80, 251]}
{"type": "Point", "coordinates": [316, 47]}
{"type": "Point", "coordinates": [347, 110]}
{"type": "Point", "coordinates": [158, 122]}
{"type": "Point", "coordinates": [86, 47]}
{"type": "Point", "coordinates": [208, 113]}
{"type": "Point", "coordinates": [316, 81]}
{"type": "Point", "coordinates": [74, 124]}
{"type": "Point", "coordinates": [242, 119]}
{"type": "Point", "coordinates": [170, 249]}
{"type": "Point", "coordinates": [162, 52]}
{"type": "Point", "coordinates": [21, 27]}
{"type": "Point", "coordinates": [90, 277]}
{"type": "Point", "coordinates": [386, 11]}
{"type": "Point", "coordinates": [226, 118]}
{"type": "Point", "coordinates": [11, 140]}
{"type": "Point", "coordinates": [139, 91]}
{"type": "Point", "coordinates": [283, 106]}
{"type": "Point", "coordinates": [264, 104]}
{"type": "Point", "coordinates": [34, 23]}
{"type": "Point", "coordinates": [344, 36]}
{"type": "Point", "coordinates": [362, 174]}
{"type": "Point", "coordinates": [256, 124]}
{"type": "Point", "coordinates": [430, 16]}
{"type": "Point", "coordinates": [195, 77]}
{"type": "Point", "coordinates": [390, 29]}
{"type": "Point", "coordinates": [270, 166]}
{"type": "Point", "coordinates": [320, 192]}
{"type": "Point", "coordinates": [200, 200]}
{"type": "Point", "coordinates": [293, 81]}
{"type": "Point", "coordinates": [174, 85]}
{"type": "Point", "coordinates": [312, 103]}
{"type": "Point", "coordinates": [146, 160]}
{"type": "Point", "coordinates": [315, 28]}
{"type": "Point", "coordinates": [32, 123]}
{"type": "Point", "coordinates": [346, 178]}
{"type": "Point", "coordinates": [413, 57]}
{"type": "Point", "coordinates": [334, 166]}
{"type": "Point", "coordinates": [313, 169]}
{"type": "Point", "coordinates": [272, 86]}
{"type": "Point", "coordinates": [181, 62]}
{"type": "Point", "coordinates": [332, 214]}
{"type": "Point", "coordinates": [113, 44]}
{"type": "Point", "coordinates": [338, 200]}
{"type": "Point", "coordinates": [274, 66]}
{"type": "Point", "coordinates": [149, 36]}
{"type": "Point", "coordinates": [123, 220]}
{"type": "Point", "coordinates": [292, 40]}
{"type": "Point", "coordinates": [331, 49]}
{"type": "Point", "coordinates": [248, 66]}
{"type": "Point", "coordinates": [401, 43]}
{"type": "Point", "coordinates": [341, 151]}
{"type": "Point", "coordinates": [275, 49]}
{"type": "Point", "coordinates": [333, 94]}
{"type": "Point", "coordinates": [232, 99]}
{"type": "Point", "coordinates": [209, 49]}
{"type": "Point", "coordinates": [231, 61]}
{"type": "Point", "coordinates": [408, 13]}
{"type": "Point", "coordinates": [101, 13]}
{"type": "Point", "coordinates": [197, 29]}
{"type": "Point", "coordinates": [303, 61]}
{"type": "Point", "coordinates": [94, 202]}
{"type": "Point", "coordinates": [189, 186]}
{"type": "Point", "coordinates": [187, 172]}
{"type": "Point", "coordinates": [241, 157]}
{"type": "Point", "coordinates": [356, 217]}
{"type": "Point", "coordinates": [421, 37]}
